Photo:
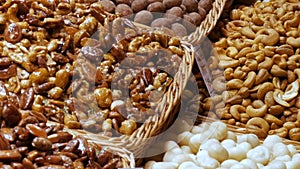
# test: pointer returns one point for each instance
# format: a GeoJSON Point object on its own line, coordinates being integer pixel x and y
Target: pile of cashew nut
{"type": "Point", "coordinates": [212, 146]}
{"type": "Point", "coordinates": [256, 69]}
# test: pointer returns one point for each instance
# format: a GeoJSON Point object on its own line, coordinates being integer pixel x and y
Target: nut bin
{"type": "Point", "coordinates": [258, 54]}
{"type": "Point", "coordinates": [213, 144]}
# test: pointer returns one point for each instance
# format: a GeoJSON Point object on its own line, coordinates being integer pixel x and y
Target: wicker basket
{"type": "Point", "coordinates": [168, 108]}
{"type": "Point", "coordinates": [208, 23]}
{"type": "Point", "coordinates": [126, 157]}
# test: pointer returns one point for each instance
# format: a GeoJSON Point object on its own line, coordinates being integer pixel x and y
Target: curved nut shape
{"type": "Point", "coordinates": [295, 42]}
{"type": "Point", "coordinates": [281, 132]}
{"type": "Point", "coordinates": [264, 88]}
{"type": "Point", "coordinates": [269, 100]}
{"type": "Point", "coordinates": [266, 64]}
{"type": "Point", "coordinates": [223, 64]}
{"type": "Point", "coordinates": [250, 80]}
{"type": "Point", "coordinates": [219, 84]}
{"type": "Point", "coordinates": [248, 32]}
{"type": "Point", "coordinates": [292, 92]}
{"type": "Point", "coordinates": [297, 72]}
{"type": "Point", "coordinates": [268, 37]}
{"type": "Point", "coordinates": [277, 95]}
{"type": "Point", "coordinates": [258, 126]}
{"type": "Point", "coordinates": [276, 110]}
{"type": "Point", "coordinates": [256, 112]}
{"type": "Point", "coordinates": [293, 22]}
{"type": "Point", "coordinates": [272, 119]}
{"type": "Point", "coordinates": [277, 71]}
{"type": "Point", "coordinates": [276, 82]}
{"type": "Point", "coordinates": [243, 52]}
{"type": "Point", "coordinates": [294, 134]}
{"type": "Point", "coordinates": [236, 111]}
{"type": "Point", "coordinates": [262, 76]}
{"type": "Point", "coordinates": [234, 84]}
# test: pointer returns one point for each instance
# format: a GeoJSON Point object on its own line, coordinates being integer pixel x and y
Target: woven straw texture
{"type": "Point", "coordinates": [207, 24]}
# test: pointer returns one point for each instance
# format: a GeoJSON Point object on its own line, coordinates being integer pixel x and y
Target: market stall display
{"type": "Point", "coordinates": [82, 86]}
{"type": "Point", "coordinates": [78, 65]}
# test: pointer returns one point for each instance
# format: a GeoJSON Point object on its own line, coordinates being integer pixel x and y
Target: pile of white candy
{"type": "Point", "coordinates": [212, 146]}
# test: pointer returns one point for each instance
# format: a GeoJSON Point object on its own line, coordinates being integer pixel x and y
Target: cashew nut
{"type": "Point", "coordinates": [158, 165]}
{"type": "Point", "coordinates": [259, 154]}
{"type": "Point", "coordinates": [272, 119]}
{"type": "Point", "coordinates": [280, 60]}
{"type": "Point", "coordinates": [236, 110]}
{"type": "Point", "coordinates": [282, 132]}
{"type": "Point", "coordinates": [234, 84]}
{"type": "Point", "coordinates": [294, 134]}
{"type": "Point", "coordinates": [295, 42]}
{"type": "Point", "coordinates": [292, 92]}
{"type": "Point", "coordinates": [256, 112]}
{"type": "Point", "coordinates": [271, 140]}
{"type": "Point", "coordinates": [219, 84]}
{"type": "Point", "coordinates": [268, 37]}
{"type": "Point", "coordinates": [266, 64]}
{"type": "Point", "coordinates": [258, 126]}
{"type": "Point", "coordinates": [277, 71]}
{"type": "Point", "coordinates": [249, 163]}
{"type": "Point", "coordinates": [250, 80]}
{"type": "Point", "coordinates": [264, 88]}
{"type": "Point", "coordinates": [184, 138]}
{"type": "Point", "coordinates": [223, 64]}
{"type": "Point", "coordinates": [277, 95]}
{"type": "Point", "coordinates": [238, 151]}
{"type": "Point", "coordinates": [276, 164]}
{"type": "Point", "coordinates": [252, 139]}
{"type": "Point", "coordinates": [206, 161]}
{"type": "Point", "coordinates": [188, 165]}
{"type": "Point", "coordinates": [280, 149]}
{"type": "Point", "coordinates": [243, 52]}
{"type": "Point", "coordinates": [215, 150]}
{"type": "Point", "coordinates": [269, 100]}
{"type": "Point", "coordinates": [229, 163]}
{"type": "Point", "coordinates": [248, 32]}
{"type": "Point", "coordinates": [262, 76]}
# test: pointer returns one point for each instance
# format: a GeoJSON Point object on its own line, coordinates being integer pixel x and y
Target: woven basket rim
{"type": "Point", "coordinates": [242, 130]}
{"type": "Point", "coordinates": [207, 24]}
{"type": "Point", "coordinates": [126, 157]}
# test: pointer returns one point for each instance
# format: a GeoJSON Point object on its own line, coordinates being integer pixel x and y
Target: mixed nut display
{"type": "Point", "coordinates": [73, 63]}
{"type": "Point", "coordinates": [80, 65]}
